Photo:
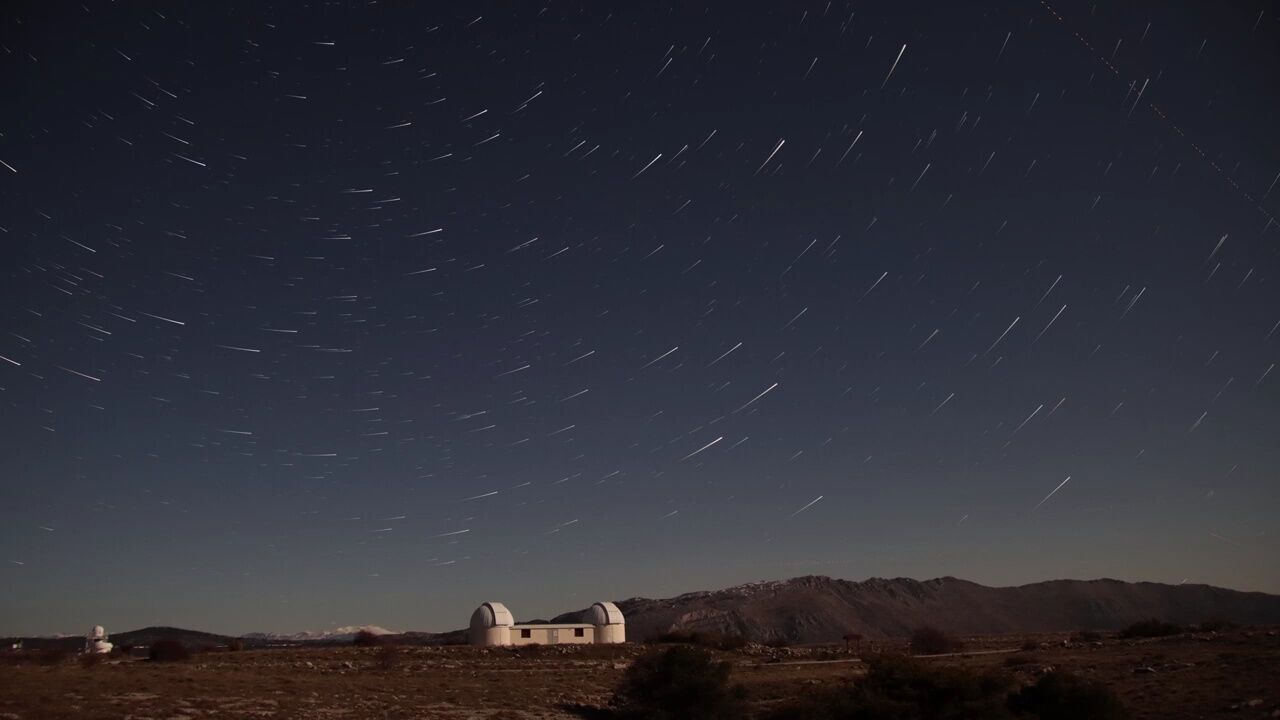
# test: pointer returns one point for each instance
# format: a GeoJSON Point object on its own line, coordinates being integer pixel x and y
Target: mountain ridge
{"type": "Point", "coordinates": [818, 608]}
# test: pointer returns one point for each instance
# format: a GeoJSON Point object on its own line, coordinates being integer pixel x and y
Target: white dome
{"type": "Point", "coordinates": [491, 614]}
{"type": "Point", "coordinates": [98, 633]}
{"type": "Point", "coordinates": [604, 613]}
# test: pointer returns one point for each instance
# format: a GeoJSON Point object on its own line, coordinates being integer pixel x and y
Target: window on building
{"type": "Point", "coordinates": [579, 632]}
{"type": "Point", "coordinates": [526, 633]}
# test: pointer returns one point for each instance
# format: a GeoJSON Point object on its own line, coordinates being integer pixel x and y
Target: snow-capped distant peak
{"type": "Point", "coordinates": [345, 632]}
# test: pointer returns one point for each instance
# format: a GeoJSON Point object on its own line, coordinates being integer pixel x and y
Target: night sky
{"type": "Point", "coordinates": [341, 313]}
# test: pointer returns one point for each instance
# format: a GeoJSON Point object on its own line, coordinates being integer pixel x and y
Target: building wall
{"type": "Point", "coordinates": [551, 635]}
{"type": "Point", "coordinates": [491, 636]}
{"type": "Point", "coordinates": [610, 634]}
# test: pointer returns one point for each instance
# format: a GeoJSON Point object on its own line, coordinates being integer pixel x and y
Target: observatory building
{"type": "Point", "coordinates": [493, 625]}
{"type": "Point", "coordinates": [95, 643]}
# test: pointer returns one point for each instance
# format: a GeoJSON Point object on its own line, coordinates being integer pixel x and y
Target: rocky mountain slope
{"type": "Point", "coordinates": [823, 609]}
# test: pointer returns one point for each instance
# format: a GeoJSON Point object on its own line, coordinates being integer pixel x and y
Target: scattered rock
{"type": "Point", "coordinates": [1145, 670]}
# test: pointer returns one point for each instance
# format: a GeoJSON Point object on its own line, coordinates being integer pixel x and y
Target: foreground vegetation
{"type": "Point", "coordinates": [1227, 674]}
{"type": "Point", "coordinates": [688, 682]}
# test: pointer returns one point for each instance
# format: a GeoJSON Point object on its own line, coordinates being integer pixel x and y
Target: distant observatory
{"type": "Point", "coordinates": [493, 625]}
{"type": "Point", "coordinates": [95, 643]}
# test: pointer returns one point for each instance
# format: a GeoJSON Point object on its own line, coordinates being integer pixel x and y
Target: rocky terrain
{"type": "Point", "coordinates": [1193, 675]}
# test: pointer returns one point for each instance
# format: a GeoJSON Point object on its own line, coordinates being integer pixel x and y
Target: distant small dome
{"type": "Point", "coordinates": [97, 633]}
{"type": "Point", "coordinates": [491, 614]}
{"type": "Point", "coordinates": [604, 613]}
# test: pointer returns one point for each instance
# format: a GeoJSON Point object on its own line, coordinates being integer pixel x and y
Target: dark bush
{"type": "Point", "coordinates": [168, 650]}
{"type": "Point", "coordinates": [389, 657]}
{"type": "Point", "coordinates": [1149, 629]}
{"type": "Point", "coordinates": [1061, 696]}
{"type": "Point", "coordinates": [679, 683]}
{"type": "Point", "coordinates": [364, 638]}
{"type": "Point", "coordinates": [1030, 645]}
{"type": "Point", "coordinates": [709, 640]}
{"type": "Point", "coordinates": [778, 643]}
{"type": "Point", "coordinates": [897, 688]}
{"type": "Point", "coordinates": [1216, 626]}
{"type": "Point", "coordinates": [1087, 636]}
{"type": "Point", "coordinates": [930, 640]}
{"type": "Point", "coordinates": [235, 645]}
{"type": "Point", "coordinates": [52, 656]}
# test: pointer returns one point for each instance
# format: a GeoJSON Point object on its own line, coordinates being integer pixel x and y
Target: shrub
{"type": "Point", "coordinates": [388, 657]}
{"type": "Point", "coordinates": [1021, 659]}
{"type": "Point", "coordinates": [1216, 626]}
{"type": "Point", "coordinates": [1087, 636]}
{"type": "Point", "coordinates": [1062, 696]}
{"type": "Point", "coordinates": [92, 660]}
{"type": "Point", "coordinates": [906, 689]}
{"type": "Point", "coordinates": [930, 640]}
{"type": "Point", "coordinates": [51, 656]}
{"type": "Point", "coordinates": [897, 688]}
{"type": "Point", "coordinates": [703, 639]}
{"type": "Point", "coordinates": [679, 683]}
{"type": "Point", "coordinates": [1149, 629]}
{"type": "Point", "coordinates": [235, 645]}
{"type": "Point", "coordinates": [1030, 645]}
{"type": "Point", "coordinates": [168, 650]}
{"type": "Point", "coordinates": [364, 638]}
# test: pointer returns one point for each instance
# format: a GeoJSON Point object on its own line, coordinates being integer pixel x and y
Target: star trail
{"type": "Point", "coordinates": [316, 314]}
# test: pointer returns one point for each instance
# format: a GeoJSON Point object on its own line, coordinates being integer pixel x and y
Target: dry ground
{"type": "Point", "coordinates": [1187, 676]}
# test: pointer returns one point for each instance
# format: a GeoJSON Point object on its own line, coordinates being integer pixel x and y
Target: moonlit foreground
{"type": "Point", "coordinates": [492, 624]}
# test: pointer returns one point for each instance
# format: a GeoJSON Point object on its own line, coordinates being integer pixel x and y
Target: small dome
{"type": "Point", "coordinates": [97, 633]}
{"type": "Point", "coordinates": [491, 614]}
{"type": "Point", "coordinates": [604, 613]}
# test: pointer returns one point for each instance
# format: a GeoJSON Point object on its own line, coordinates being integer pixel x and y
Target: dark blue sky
{"type": "Point", "coordinates": [351, 313]}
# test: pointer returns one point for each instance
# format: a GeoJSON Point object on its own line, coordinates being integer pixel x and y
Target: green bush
{"type": "Point", "coordinates": [1149, 629]}
{"type": "Point", "coordinates": [679, 683]}
{"type": "Point", "coordinates": [1061, 696]}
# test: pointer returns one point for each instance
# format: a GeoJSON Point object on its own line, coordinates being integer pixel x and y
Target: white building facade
{"type": "Point", "coordinates": [493, 625]}
{"type": "Point", "coordinates": [95, 643]}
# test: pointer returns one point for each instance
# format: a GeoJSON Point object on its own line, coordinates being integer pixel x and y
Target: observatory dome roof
{"type": "Point", "coordinates": [604, 613]}
{"type": "Point", "coordinates": [491, 614]}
